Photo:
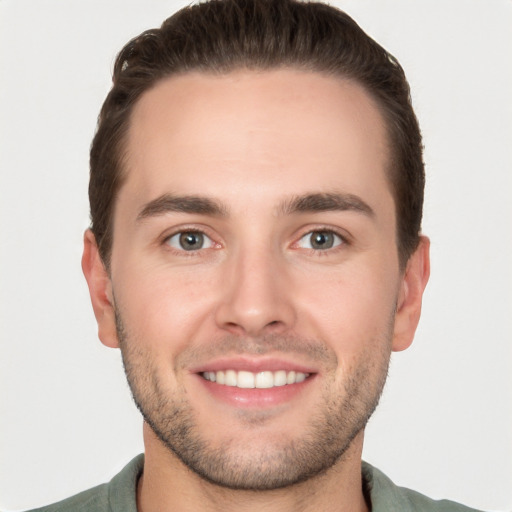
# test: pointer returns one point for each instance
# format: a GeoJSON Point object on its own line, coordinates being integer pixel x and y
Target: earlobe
{"type": "Point", "coordinates": [414, 281]}
{"type": "Point", "coordinates": [100, 290]}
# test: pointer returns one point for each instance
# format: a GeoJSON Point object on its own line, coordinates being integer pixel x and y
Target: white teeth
{"type": "Point", "coordinates": [264, 380]}
{"type": "Point", "coordinates": [261, 380]}
{"type": "Point", "coordinates": [231, 379]}
{"type": "Point", "coordinates": [299, 377]}
{"type": "Point", "coordinates": [220, 377]}
{"type": "Point", "coordinates": [280, 378]}
{"type": "Point", "coordinates": [245, 380]}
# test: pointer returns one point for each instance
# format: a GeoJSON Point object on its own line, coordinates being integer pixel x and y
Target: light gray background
{"type": "Point", "coordinates": [67, 421]}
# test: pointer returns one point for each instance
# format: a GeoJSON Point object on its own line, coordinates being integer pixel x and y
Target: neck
{"type": "Point", "coordinates": [168, 485]}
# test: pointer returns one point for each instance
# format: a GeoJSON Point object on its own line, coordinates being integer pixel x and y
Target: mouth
{"type": "Point", "coordinates": [251, 380]}
{"type": "Point", "coordinates": [255, 382]}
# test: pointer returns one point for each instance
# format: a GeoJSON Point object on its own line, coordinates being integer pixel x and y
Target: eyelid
{"type": "Point", "coordinates": [342, 234]}
{"type": "Point", "coordinates": [178, 230]}
{"type": "Point", "coordinates": [207, 232]}
{"type": "Point", "coordinates": [209, 242]}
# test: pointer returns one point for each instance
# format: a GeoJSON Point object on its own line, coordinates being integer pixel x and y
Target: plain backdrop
{"type": "Point", "coordinates": [67, 421]}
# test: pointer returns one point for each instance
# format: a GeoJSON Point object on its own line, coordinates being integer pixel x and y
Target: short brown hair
{"type": "Point", "coordinates": [223, 35]}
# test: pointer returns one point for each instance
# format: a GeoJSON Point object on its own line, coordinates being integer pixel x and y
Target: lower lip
{"type": "Point", "coordinates": [255, 397]}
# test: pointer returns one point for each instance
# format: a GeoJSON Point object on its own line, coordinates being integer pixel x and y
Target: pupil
{"type": "Point", "coordinates": [190, 241]}
{"type": "Point", "coordinates": [322, 240]}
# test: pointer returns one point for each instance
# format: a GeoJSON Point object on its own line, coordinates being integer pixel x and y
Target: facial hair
{"type": "Point", "coordinates": [342, 411]}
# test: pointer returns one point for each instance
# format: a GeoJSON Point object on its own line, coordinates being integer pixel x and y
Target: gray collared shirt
{"type": "Point", "coordinates": [119, 495]}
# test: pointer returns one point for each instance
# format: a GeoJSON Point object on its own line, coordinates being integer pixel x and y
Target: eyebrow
{"type": "Point", "coordinates": [323, 202]}
{"type": "Point", "coordinates": [307, 203]}
{"type": "Point", "coordinates": [184, 204]}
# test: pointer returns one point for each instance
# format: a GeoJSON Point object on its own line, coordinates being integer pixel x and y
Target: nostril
{"type": "Point", "coordinates": [275, 324]}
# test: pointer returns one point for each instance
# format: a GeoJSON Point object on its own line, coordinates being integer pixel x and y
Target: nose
{"type": "Point", "coordinates": [256, 296]}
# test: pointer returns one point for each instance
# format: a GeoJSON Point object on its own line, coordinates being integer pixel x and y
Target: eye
{"type": "Point", "coordinates": [190, 241]}
{"type": "Point", "coordinates": [320, 240]}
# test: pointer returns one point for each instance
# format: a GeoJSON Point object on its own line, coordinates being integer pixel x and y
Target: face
{"type": "Point", "coordinates": [255, 285]}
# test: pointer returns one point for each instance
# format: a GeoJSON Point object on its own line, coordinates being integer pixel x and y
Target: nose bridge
{"type": "Point", "coordinates": [255, 296]}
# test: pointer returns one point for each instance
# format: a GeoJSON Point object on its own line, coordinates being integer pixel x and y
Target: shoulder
{"type": "Point", "coordinates": [385, 496]}
{"type": "Point", "coordinates": [95, 499]}
{"type": "Point", "coordinates": [118, 495]}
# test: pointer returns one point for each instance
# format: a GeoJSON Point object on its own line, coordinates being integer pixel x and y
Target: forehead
{"type": "Point", "coordinates": [257, 131]}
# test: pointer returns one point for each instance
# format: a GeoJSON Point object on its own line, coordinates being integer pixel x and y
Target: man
{"type": "Point", "coordinates": [255, 252]}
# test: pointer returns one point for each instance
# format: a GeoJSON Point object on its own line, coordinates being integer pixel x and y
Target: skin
{"type": "Point", "coordinates": [251, 143]}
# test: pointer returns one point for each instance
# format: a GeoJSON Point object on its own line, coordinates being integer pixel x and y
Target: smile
{"type": "Point", "coordinates": [260, 380]}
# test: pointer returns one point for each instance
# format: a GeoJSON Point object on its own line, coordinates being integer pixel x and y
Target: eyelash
{"type": "Point", "coordinates": [318, 252]}
{"type": "Point", "coordinates": [185, 230]}
{"type": "Point", "coordinates": [344, 240]}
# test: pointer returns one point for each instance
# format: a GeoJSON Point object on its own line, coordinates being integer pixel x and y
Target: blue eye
{"type": "Point", "coordinates": [190, 241]}
{"type": "Point", "coordinates": [320, 240]}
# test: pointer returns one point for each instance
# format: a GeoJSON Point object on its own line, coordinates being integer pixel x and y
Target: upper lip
{"type": "Point", "coordinates": [253, 364]}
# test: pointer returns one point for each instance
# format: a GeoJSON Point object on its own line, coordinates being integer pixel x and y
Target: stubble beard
{"type": "Point", "coordinates": [331, 428]}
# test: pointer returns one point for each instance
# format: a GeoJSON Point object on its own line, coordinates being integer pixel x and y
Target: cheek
{"type": "Point", "coordinates": [351, 310]}
{"type": "Point", "coordinates": [162, 308]}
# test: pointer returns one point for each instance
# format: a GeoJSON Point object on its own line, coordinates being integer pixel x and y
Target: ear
{"type": "Point", "coordinates": [100, 290]}
{"type": "Point", "coordinates": [413, 284]}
